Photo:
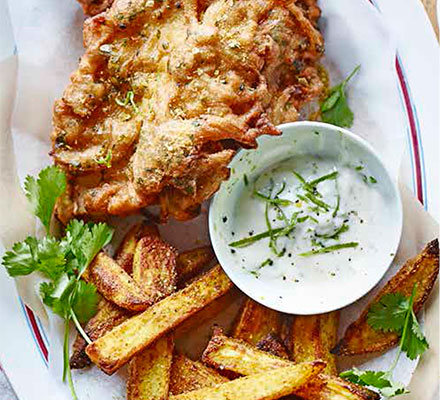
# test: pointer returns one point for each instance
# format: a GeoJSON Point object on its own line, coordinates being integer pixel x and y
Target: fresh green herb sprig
{"type": "Point", "coordinates": [43, 192]}
{"type": "Point", "coordinates": [128, 101]}
{"type": "Point", "coordinates": [61, 261]}
{"type": "Point", "coordinates": [330, 249]}
{"type": "Point", "coordinates": [335, 109]}
{"type": "Point", "coordinates": [392, 313]}
{"type": "Point", "coordinates": [107, 160]}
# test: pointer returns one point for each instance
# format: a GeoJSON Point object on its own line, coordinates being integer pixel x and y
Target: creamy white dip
{"type": "Point", "coordinates": [331, 229]}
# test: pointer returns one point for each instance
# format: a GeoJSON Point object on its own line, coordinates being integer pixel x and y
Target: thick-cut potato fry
{"type": "Point", "coordinates": [192, 262]}
{"type": "Point", "coordinates": [115, 284]}
{"type": "Point", "coordinates": [107, 317]}
{"type": "Point", "coordinates": [125, 253]}
{"type": "Point", "coordinates": [313, 336]}
{"type": "Point", "coordinates": [255, 321]}
{"type": "Point", "coordinates": [273, 345]}
{"type": "Point", "coordinates": [360, 337]}
{"type": "Point", "coordinates": [149, 371]}
{"type": "Point", "coordinates": [236, 356]}
{"type": "Point", "coordinates": [113, 350]}
{"type": "Point", "coordinates": [154, 267]}
{"type": "Point", "coordinates": [268, 385]}
{"type": "Point", "coordinates": [188, 375]}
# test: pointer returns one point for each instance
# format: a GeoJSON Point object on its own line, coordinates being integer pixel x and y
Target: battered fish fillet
{"type": "Point", "coordinates": [166, 93]}
{"type": "Point", "coordinates": [93, 7]}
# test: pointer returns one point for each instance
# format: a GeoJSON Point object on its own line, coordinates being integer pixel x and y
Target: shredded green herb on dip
{"type": "Point", "coordinates": [313, 218]}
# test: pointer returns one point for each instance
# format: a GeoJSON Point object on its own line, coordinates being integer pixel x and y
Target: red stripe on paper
{"type": "Point", "coordinates": [37, 332]}
{"type": "Point", "coordinates": [413, 131]}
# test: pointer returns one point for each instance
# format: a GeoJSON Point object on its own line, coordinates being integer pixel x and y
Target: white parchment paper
{"type": "Point", "coordinates": [48, 38]}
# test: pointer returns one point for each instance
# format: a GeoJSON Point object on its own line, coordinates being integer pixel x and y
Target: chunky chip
{"type": "Point", "coordinates": [125, 253]}
{"type": "Point", "coordinates": [115, 284]}
{"type": "Point", "coordinates": [149, 371]}
{"type": "Point", "coordinates": [154, 267]}
{"type": "Point", "coordinates": [114, 349]}
{"type": "Point", "coordinates": [188, 375]}
{"type": "Point", "coordinates": [267, 385]}
{"type": "Point", "coordinates": [255, 321]}
{"type": "Point", "coordinates": [313, 336]}
{"type": "Point", "coordinates": [191, 262]}
{"type": "Point", "coordinates": [227, 354]}
{"type": "Point", "coordinates": [360, 337]}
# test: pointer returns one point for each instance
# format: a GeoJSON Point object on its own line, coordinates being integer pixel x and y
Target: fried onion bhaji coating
{"type": "Point", "coordinates": [168, 91]}
{"type": "Point", "coordinates": [93, 7]}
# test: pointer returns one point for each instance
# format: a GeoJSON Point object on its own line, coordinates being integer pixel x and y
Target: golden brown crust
{"type": "Point", "coordinates": [360, 338]}
{"type": "Point", "coordinates": [93, 7]}
{"type": "Point", "coordinates": [154, 267]}
{"type": "Point", "coordinates": [236, 356]}
{"type": "Point", "coordinates": [167, 91]}
{"type": "Point", "coordinates": [107, 317]}
{"type": "Point", "coordinates": [268, 385]}
{"type": "Point", "coordinates": [149, 371]}
{"type": "Point", "coordinates": [115, 284]}
{"type": "Point", "coordinates": [255, 321]}
{"type": "Point", "coordinates": [272, 344]}
{"type": "Point", "coordinates": [188, 375]}
{"type": "Point", "coordinates": [114, 349]}
{"type": "Point", "coordinates": [125, 252]}
{"type": "Point", "coordinates": [312, 337]}
{"type": "Point", "coordinates": [191, 262]}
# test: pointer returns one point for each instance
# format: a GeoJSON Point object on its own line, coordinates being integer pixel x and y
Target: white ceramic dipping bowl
{"type": "Point", "coordinates": [298, 139]}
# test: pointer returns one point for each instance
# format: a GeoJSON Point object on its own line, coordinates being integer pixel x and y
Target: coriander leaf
{"type": "Point", "coordinates": [84, 241]}
{"type": "Point", "coordinates": [389, 313]}
{"type": "Point", "coordinates": [414, 343]}
{"type": "Point", "coordinates": [46, 291]}
{"type": "Point", "coordinates": [395, 389]}
{"type": "Point", "coordinates": [61, 301]}
{"type": "Point", "coordinates": [43, 192]}
{"type": "Point", "coordinates": [334, 109]}
{"type": "Point", "coordinates": [85, 301]}
{"type": "Point", "coordinates": [19, 261]}
{"type": "Point", "coordinates": [50, 258]}
{"type": "Point", "coordinates": [378, 379]}
{"type": "Point", "coordinates": [44, 255]}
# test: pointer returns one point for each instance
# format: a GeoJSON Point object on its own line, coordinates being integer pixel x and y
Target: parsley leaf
{"type": "Point", "coordinates": [389, 313]}
{"type": "Point", "coordinates": [334, 109]}
{"type": "Point", "coordinates": [43, 192]}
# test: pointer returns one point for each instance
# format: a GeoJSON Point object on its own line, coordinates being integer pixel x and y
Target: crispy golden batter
{"type": "Point", "coordinates": [93, 7]}
{"type": "Point", "coordinates": [168, 90]}
{"type": "Point", "coordinates": [360, 337]}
